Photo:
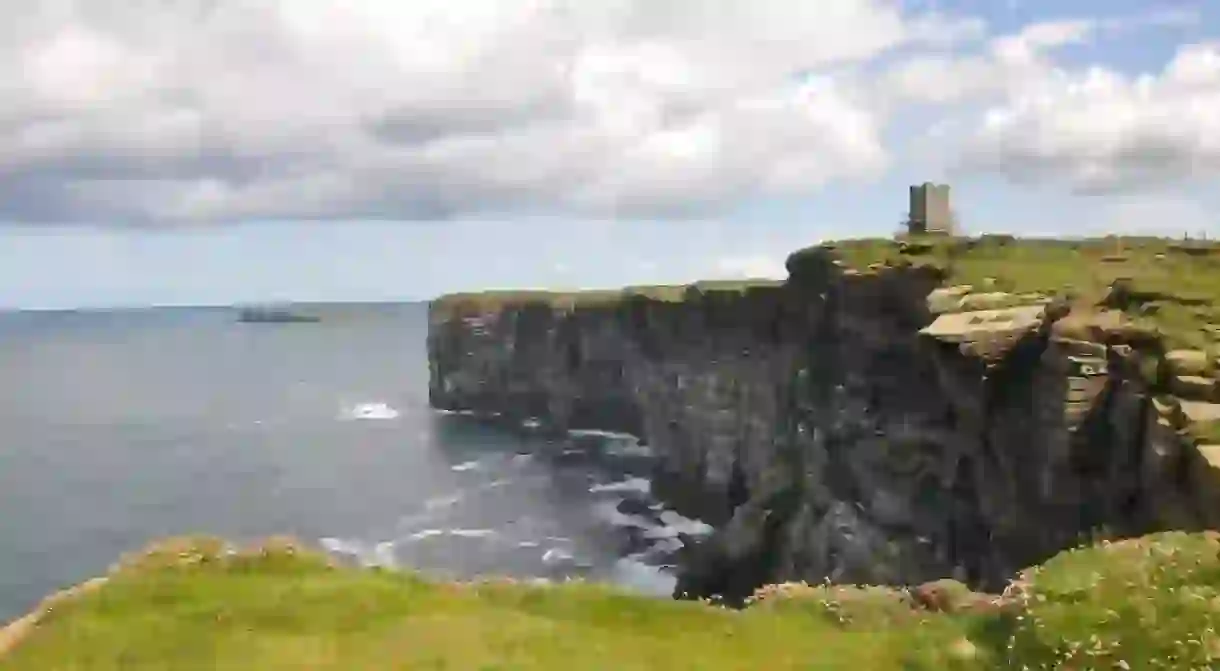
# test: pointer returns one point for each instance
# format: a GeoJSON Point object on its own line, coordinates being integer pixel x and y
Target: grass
{"type": "Point", "coordinates": [481, 302]}
{"type": "Point", "coordinates": [1150, 604]}
{"type": "Point", "coordinates": [188, 604]}
{"type": "Point", "coordinates": [1169, 286]}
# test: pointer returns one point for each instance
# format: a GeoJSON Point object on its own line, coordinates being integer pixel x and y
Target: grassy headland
{"type": "Point", "coordinates": [1170, 286]}
{"type": "Point", "coordinates": [480, 302]}
{"type": "Point", "coordinates": [1160, 296]}
{"type": "Point", "coordinates": [190, 604]}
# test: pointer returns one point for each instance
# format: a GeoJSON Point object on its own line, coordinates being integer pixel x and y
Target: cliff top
{"type": "Point", "coordinates": [481, 302]}
{"type": "Point", "coordinates": [1167, 285]}
{"type": "Point", "coordinates": [1161, 296]}
{"type": "Point", "coordinates": [190, 603]}
{"type": "Point", "coordinates": [1170, 286]}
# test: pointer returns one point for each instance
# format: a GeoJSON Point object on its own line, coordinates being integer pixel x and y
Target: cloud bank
{"type": "Point", "coordinates": [168, 112]}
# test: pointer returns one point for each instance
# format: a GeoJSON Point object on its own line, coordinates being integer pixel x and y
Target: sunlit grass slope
{"type": "Point", "coordinates": [190, 604]}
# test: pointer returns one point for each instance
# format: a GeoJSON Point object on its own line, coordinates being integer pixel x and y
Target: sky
{"type": "Point", "coordinates": [179, 152]}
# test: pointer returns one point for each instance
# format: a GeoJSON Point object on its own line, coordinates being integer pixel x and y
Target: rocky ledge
{"type": "Point", "coordinates": [895, 412]}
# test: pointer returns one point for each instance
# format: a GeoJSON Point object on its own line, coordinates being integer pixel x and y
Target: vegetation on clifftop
{"type": "Point", "coordinates": [1170, 286]}
{"type": "Point", "coordinates": [1151, 603]}
{"type": "Point", "coordinates": [482, 302]}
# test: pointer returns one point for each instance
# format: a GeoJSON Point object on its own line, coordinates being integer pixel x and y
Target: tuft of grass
{"type": "Point", "coordinates": [1148, 603]}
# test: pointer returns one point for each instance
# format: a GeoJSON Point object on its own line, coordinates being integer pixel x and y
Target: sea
{"type": "Point", "coordinates": [118, 427]}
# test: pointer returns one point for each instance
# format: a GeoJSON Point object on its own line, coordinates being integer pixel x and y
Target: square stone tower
{"type": "Point", "coordinates": [930, 210]}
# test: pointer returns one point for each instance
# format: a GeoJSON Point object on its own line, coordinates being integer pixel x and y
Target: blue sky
{"type": "Point", "coordinates": [671, 147]}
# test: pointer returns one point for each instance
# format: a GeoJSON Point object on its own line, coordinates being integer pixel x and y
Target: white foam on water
{"type": "Point", "coordinates": [666, 546]}
{"type": "Point", "coordinates": [618, 444]}
{"type": "Point", "coordinates": [596, 433]}
{"type": "Point", "coordinates": [464, 466]}
{"type": "Point", "coordinates": [529, 544]}
{"type": "Point", "coordinates": [376, 410]}
{"type": "Point", "coordinates": [435, 532]}
{"type": "Point", "coordinates": [341, 546]}
{"type": "Point", "coordinates": [608, 512]}
{"type": "Point", "coordinates": [555, 556]}
{"type": "Point", "coordinates": [472, 533]}
{"type": "Point", "coordinates": [629, 448]}
{"type": "Point", "coordinates": [640, 485]}
{"type": "Point", "coordinates": [383, 555]}
{"type": "Point", "coordinates": [685, 525]}
{"type": "Point", "coordinates": [446, 501]}
{"type": "Point", "coordinates": [634, 574]}
{"type": "Point", "coordinates": [378, 555]}
{"type": "Point", "coordinates": [425, 533]}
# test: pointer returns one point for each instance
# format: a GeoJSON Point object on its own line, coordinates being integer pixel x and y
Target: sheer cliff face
{"type": "Point", "coordinates": [833, 428]}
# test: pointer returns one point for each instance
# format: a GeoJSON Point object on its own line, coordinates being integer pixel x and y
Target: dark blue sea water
{"type": "Point", "coordinates": [118, 427]}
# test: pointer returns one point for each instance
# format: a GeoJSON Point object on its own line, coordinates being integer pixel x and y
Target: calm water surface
{"type": "Point", "coordinates": [119, 427]}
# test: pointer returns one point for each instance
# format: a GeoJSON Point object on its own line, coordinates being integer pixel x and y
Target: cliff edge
{"type": "Point", "coordinates": [894, 412]}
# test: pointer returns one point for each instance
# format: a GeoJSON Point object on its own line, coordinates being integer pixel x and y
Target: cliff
{"type": "Point", "coordinates": [894, 412]}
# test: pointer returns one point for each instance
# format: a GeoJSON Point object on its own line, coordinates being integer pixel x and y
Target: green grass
{"type": "Point", "coordinates": [1171, 287]}
{"type": "Point", "coordinates": [293, 611]}
{"type": "Point", "coordinates": [188, 605]}
{"type": "Point", "coordinates": [1152, 604]}
{"type": "Point", "coordinates": [480, 302]}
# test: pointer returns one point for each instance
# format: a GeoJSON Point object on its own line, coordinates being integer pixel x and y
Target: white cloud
{"type": "Point", "coordinates": [754, 266]}
{"type": "Point", "coordinates": [154, 110]}
{"type": "Point", "coordinates": [1022, 115]}
{"type": "Point", "coordinates": [1101, 130]}
{"type": "Point", "coordinates": [164, 111]}
{"type": "Point", "coordinates": [1153, 215]}
{"type": "Point", "coordinates": [1010, 64]}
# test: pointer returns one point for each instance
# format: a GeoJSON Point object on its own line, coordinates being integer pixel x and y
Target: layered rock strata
{"type": "Point", "coordinates": [863, 427]}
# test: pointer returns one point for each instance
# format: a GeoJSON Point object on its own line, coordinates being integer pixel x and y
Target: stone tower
{"type": "Point", "coordinates": [930, 211]}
